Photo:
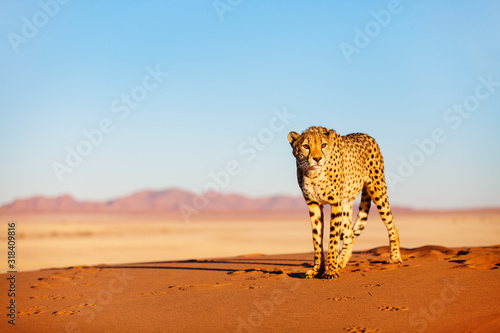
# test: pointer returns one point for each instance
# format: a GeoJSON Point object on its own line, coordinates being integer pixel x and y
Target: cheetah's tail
{"type": "Point", "coordinates": [364, 208]}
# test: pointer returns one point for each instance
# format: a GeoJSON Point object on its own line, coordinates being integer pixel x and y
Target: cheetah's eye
{"type": "Point", "coordinates": [323, 145]}
{"type": "Point", "coordinates": [305, 146]}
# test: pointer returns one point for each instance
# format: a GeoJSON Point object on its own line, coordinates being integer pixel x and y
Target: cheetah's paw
{"type": "Point", "coordinates": [396, 260]}
{"type": "Point", "coordinates": [311, 274]}
{"type": "Point", "coordinates": [331, 274]}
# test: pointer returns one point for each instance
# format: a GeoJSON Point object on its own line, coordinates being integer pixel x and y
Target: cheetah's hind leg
{"type": "Point", "coordinates": [381, 199]}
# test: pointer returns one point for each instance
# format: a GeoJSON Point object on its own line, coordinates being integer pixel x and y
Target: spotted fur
{"type": "Point", "coordinates": [333, 170]}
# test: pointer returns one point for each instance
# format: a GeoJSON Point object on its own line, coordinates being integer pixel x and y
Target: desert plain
{"type": "Point", "coordinates": [245, 272]}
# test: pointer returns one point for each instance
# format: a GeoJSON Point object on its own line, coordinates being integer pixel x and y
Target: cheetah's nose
{"type": "Point", "coordinates": [317, 159]}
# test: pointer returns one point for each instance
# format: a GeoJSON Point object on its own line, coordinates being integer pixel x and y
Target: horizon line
{"type": "Point", "coordinates": [247, 196]}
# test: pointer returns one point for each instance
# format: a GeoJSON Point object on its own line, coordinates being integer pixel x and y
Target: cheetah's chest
{"type": "Point", "coordinates": [317, 189]}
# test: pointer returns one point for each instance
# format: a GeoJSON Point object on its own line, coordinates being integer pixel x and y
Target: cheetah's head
{"type": "Point", "coordinates": [312, 148]}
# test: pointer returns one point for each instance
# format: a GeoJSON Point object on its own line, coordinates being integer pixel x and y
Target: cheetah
{"type": "Point", "coordinates": [333, 170]}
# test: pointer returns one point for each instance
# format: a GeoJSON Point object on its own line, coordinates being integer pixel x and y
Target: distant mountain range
{"type": "Point", "coordinates": [172, 201]}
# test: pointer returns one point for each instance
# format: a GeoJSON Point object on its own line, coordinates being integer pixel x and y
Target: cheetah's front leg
{"type": "Point", "coordinates": [348, 236]}
{"type": "Point", "coordinates": [331, 270]}
{"type": "Point", "coordinates": [316, 214]}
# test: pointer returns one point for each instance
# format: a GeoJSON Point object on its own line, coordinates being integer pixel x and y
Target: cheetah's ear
{"type": "Point", "coordinates": [331, 134]}
{"type": "Point", "coordinates": [292, 137]}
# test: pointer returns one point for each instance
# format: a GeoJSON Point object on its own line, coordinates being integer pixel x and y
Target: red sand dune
{"type": "Point", "coordinates": [436, 289]}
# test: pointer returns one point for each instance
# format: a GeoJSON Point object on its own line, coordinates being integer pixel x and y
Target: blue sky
{"type": "Point", "coordinates": [199, 96]}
